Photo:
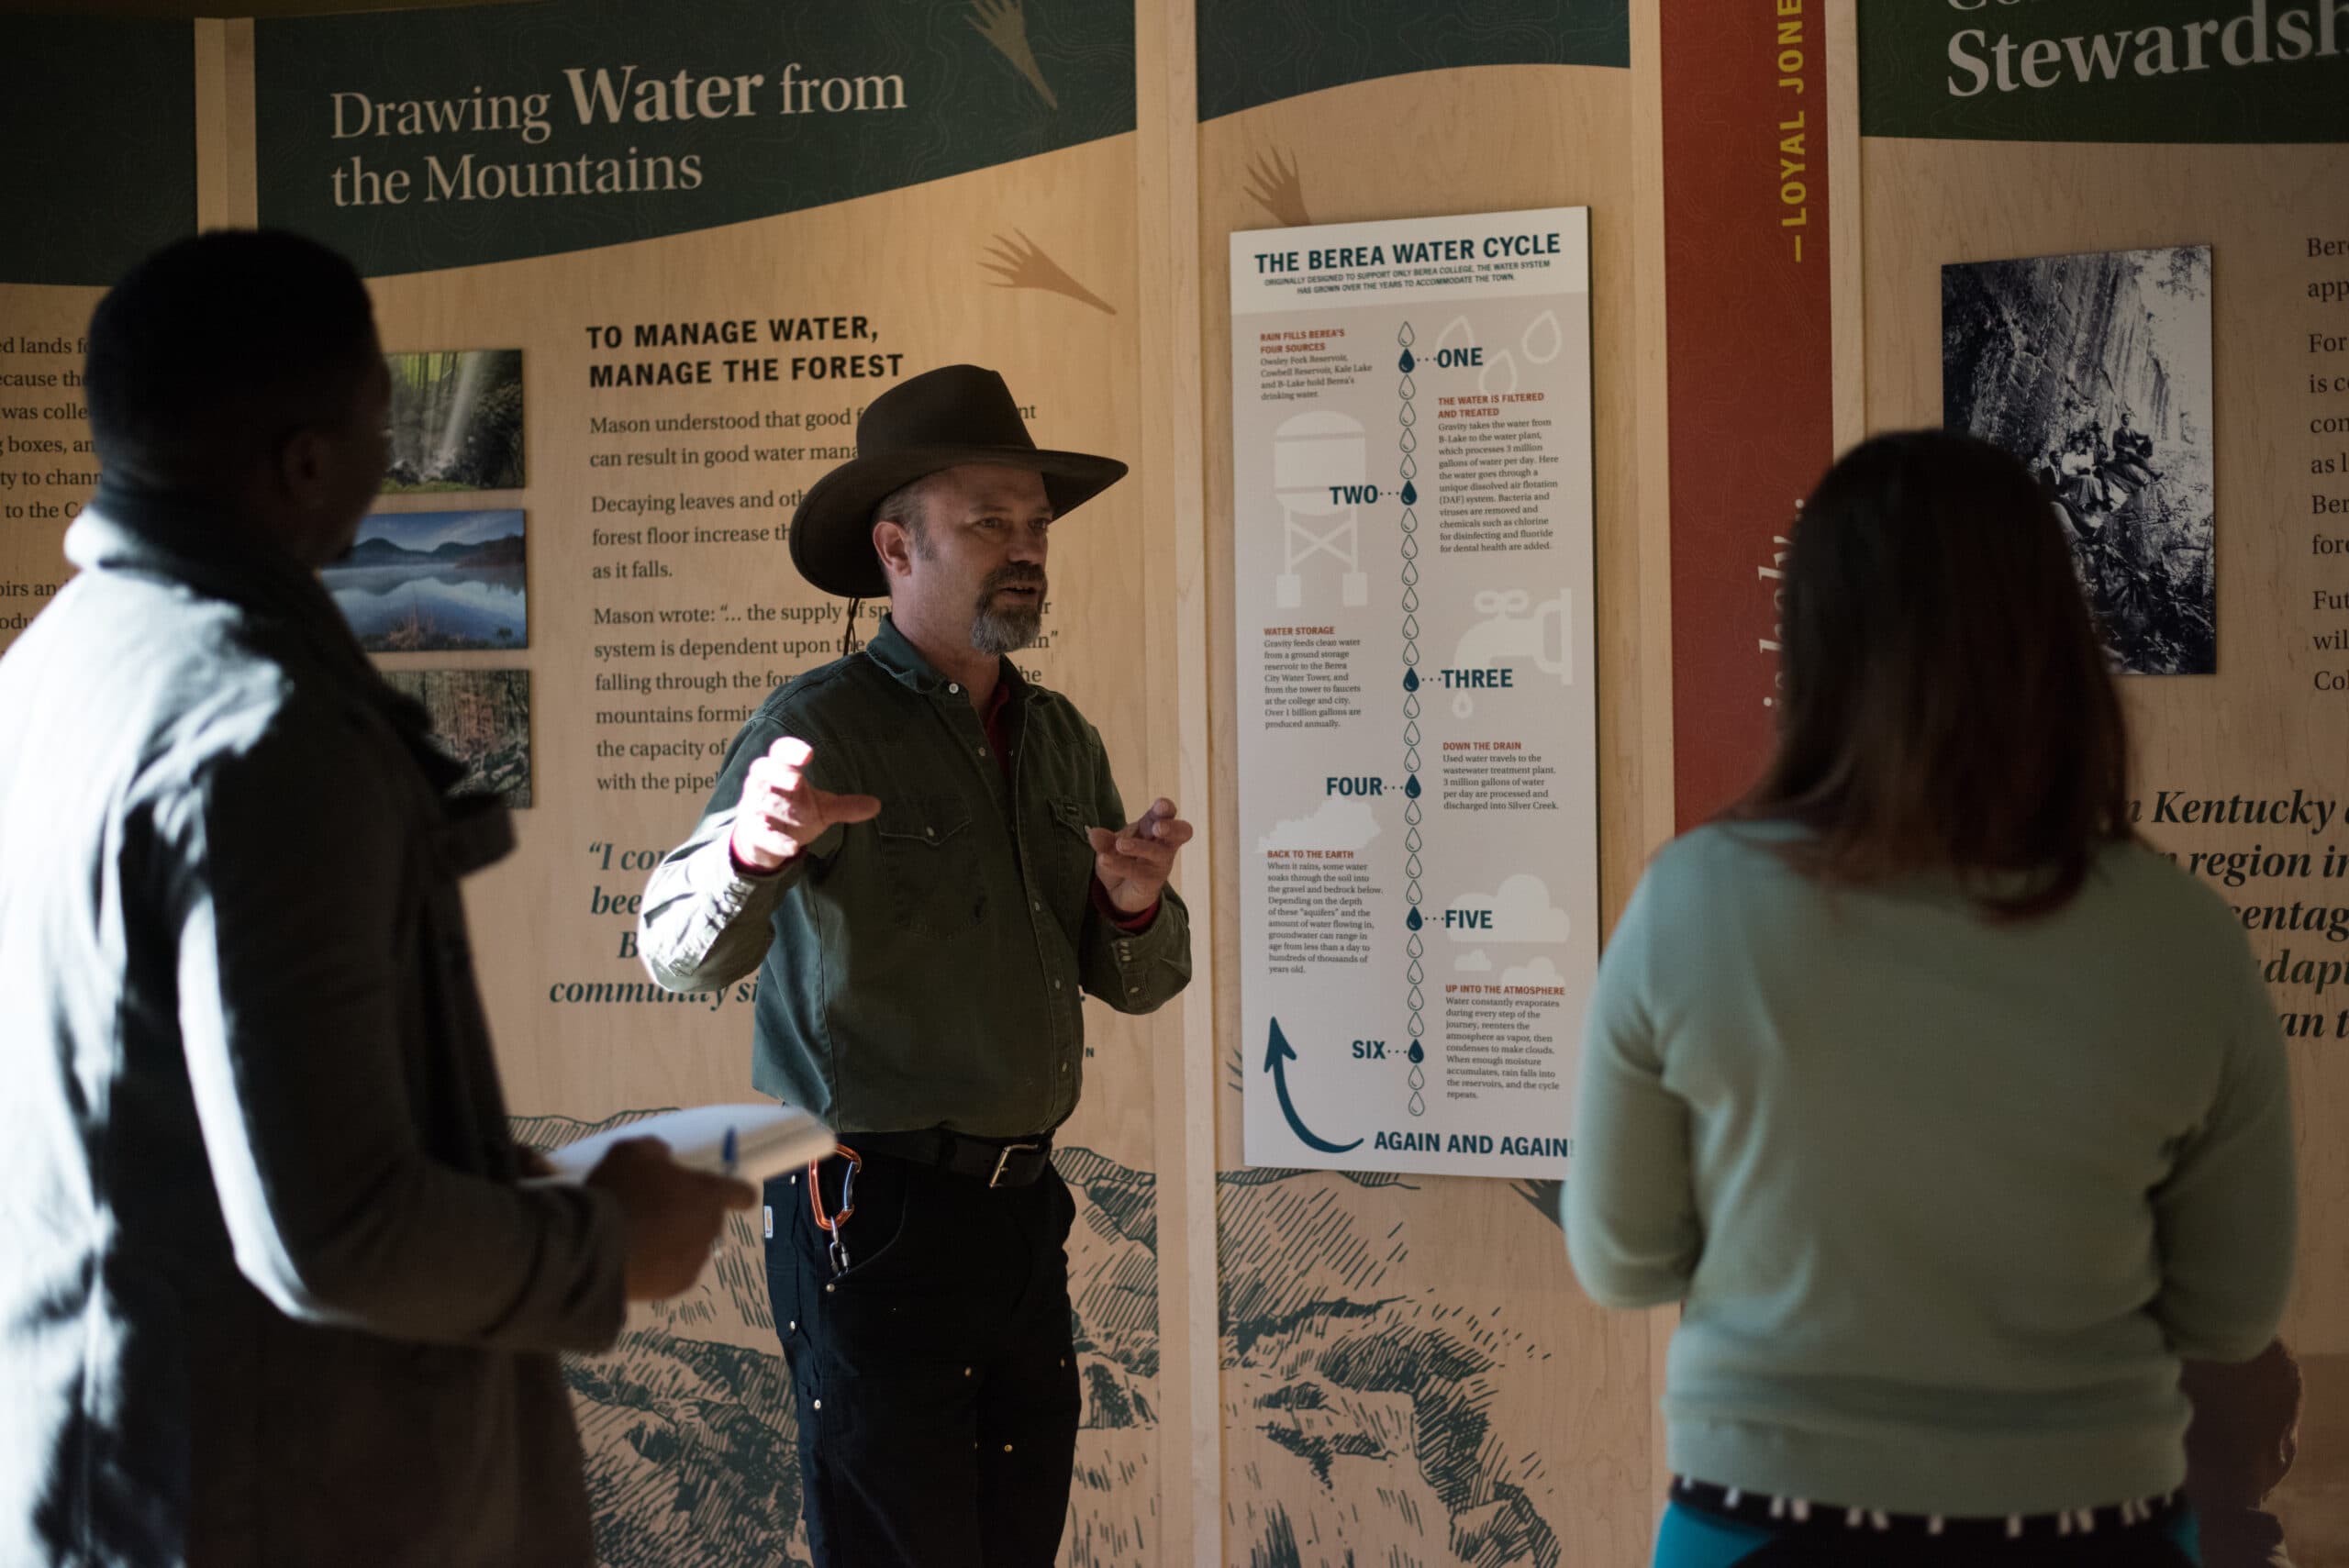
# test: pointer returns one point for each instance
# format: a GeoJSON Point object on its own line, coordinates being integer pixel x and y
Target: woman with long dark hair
{"type": "Point", "coordinates": [1953, 1114]}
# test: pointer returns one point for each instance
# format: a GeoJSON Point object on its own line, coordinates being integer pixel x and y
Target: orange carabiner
{"type": "Point", "coordinates": [830, 1223]}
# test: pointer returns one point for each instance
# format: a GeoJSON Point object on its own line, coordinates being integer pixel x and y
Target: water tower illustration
{"type": "Point", "coordinates": [1314, 457]}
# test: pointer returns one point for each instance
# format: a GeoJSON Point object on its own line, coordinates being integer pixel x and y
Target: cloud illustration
{"type": "Point", "coordinates": [1340, 824]}
{"type": "Point", "coordinates": [1521, 913]}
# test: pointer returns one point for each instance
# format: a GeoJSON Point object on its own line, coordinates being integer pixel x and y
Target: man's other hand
{"type": "Point", "coordinates": [673, 1214]}
{"type": "Point", "coordinates": [1133, 864]}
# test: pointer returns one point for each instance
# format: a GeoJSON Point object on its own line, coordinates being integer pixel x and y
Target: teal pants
{"type": "Point", "coordinates": [1697, 1536]}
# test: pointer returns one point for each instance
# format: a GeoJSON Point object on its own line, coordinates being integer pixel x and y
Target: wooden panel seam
{"type": "Point", "coordinates": [1651, 499]}
{"type": "Point", "coordinates": [1168, 158]}
{"type": "Point", "coordinates": [1847, 304]}
{"type": "Point", "coordinates": [211, 127]}
{"type": "Point", "coordinates": [243, 173]}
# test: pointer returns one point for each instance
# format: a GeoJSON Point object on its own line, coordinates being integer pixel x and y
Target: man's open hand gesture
{"type": "Point", "coordinates": [782, 813]}
{"type": "Point", "coordinates": [1133, 864]}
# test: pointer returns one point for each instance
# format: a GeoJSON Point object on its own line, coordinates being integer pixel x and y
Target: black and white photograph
{"type": "Point", "coordinates": [482, 717]}
{"type": "Point", "coordinates": [456, 421]}
{"type": "Point", "coordinates": [427, 582]}
{"type": "Point", "coordinates": [2095, 370]}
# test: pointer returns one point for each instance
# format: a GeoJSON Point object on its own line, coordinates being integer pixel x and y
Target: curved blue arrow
{"type": "Point", "coordinates": [1278, 1051]}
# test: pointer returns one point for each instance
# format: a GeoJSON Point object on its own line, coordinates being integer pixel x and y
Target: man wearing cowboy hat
{"type": "Point", "coordinates": [926, 859]}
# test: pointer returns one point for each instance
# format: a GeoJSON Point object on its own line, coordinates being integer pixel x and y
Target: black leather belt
{"type": "Point", "coordinates": [1015, 1163]}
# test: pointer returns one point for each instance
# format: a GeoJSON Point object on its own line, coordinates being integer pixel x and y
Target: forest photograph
{"type": "Point", "coordinates": [2096, 371]}
{"type": "Point", "coordinates": [480, 718]}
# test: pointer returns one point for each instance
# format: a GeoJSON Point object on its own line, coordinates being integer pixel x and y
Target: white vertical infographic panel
{"type": "Point", "coordinates": [1418, 812]}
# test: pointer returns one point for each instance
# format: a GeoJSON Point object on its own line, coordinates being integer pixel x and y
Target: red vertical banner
{"type": "Point", "coordinates": [1751, 393]}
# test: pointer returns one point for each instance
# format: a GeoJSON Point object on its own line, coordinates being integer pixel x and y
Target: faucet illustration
{"type": "Point", "coordinates": [1513, 632]}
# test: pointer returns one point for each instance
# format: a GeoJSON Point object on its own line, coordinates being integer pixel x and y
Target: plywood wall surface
{"type": "Point", "coordinates": [1408, 1367]}
{"type": "Point", "coordinates": [2274, 718]}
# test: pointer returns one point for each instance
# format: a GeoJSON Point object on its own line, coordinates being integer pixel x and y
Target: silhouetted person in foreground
{"type": "Point", "coordinates": [274, 1294]}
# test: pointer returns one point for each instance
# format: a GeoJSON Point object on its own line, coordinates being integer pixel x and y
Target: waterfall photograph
{"type": "Point", "coordinates": [428, 581]}
{"type": "Point", "coordinates": [456, 421]}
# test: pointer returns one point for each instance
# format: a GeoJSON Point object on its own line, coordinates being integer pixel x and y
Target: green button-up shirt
{"type": "Point", "coordinates": [923, 969]}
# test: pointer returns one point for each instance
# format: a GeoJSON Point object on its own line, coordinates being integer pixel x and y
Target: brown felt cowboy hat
{"type": "Point", "coordinates": [939, 419]}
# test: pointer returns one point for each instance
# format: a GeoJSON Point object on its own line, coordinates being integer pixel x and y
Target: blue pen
{"type": "Point", "coordinates": [726, 1153]}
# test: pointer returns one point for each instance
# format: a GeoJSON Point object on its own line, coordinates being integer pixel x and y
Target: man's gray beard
{"type": "Point", "coordinates": [1005, 631]}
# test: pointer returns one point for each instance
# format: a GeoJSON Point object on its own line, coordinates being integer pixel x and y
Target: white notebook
{"type": "Point", "coordinates": [752, 1142]}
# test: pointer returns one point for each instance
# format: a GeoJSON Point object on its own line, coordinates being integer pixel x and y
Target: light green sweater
{"type": "Point", "coordinates": [1946, 1200]}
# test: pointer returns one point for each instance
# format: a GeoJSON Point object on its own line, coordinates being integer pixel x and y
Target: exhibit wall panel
{"type": "Point", "coordinates": [676, 362]}
{"type": "Point", "coordinates": [639, 275]}
{"type": "Point", "coordinates": [1410, 1372]}
{"type": "Point", "coordinates": [1166, 230]}
{"type": "Point", "coordinates": [2171, 245]}
{"type": "Point", "coordinates": [87, 108]}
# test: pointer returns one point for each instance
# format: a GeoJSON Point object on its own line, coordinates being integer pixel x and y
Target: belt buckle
{"type": "Point", "coordinates": [1003, 1162]}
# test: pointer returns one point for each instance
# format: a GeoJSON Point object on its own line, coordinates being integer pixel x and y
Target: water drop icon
{"type": "Point", "coordinates": [1411, 787]}
{"type": "Point", "coordinates": [1416, 1054]}
{"type": "Point", "coordinates": [1412, 919]}
{"type": "Point", "coordinates": [1410, 493]}
{"type": "Point", "coordinates": [1407, 364]}
{"type": "Point", "coordinates": [1544, 332]}
{"type": "Point", "coordinates": [1410, 680]}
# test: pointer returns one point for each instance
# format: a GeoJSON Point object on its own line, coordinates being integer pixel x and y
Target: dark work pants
{"type": "Point", "coordinates": [936, 1377]}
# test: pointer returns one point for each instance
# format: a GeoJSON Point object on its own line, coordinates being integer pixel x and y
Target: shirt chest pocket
{"type": "Point", "coordinates": [929, 856]}
{"type": "Point", "coordinates": [1068, 857]}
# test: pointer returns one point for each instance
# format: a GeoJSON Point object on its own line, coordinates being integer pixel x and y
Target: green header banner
{"type": "Point", "coordinates": [97, 145]}
{"type": "Point", "coordinates": [422, 139]}
{"type": "Point", "coordinates": [1259, 51]}
{"type": "Point", "coordinates": [2156, 70]}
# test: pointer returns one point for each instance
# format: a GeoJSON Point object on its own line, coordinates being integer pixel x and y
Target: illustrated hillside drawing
{"type": "Point", "coordinates": [1363, 1388]}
